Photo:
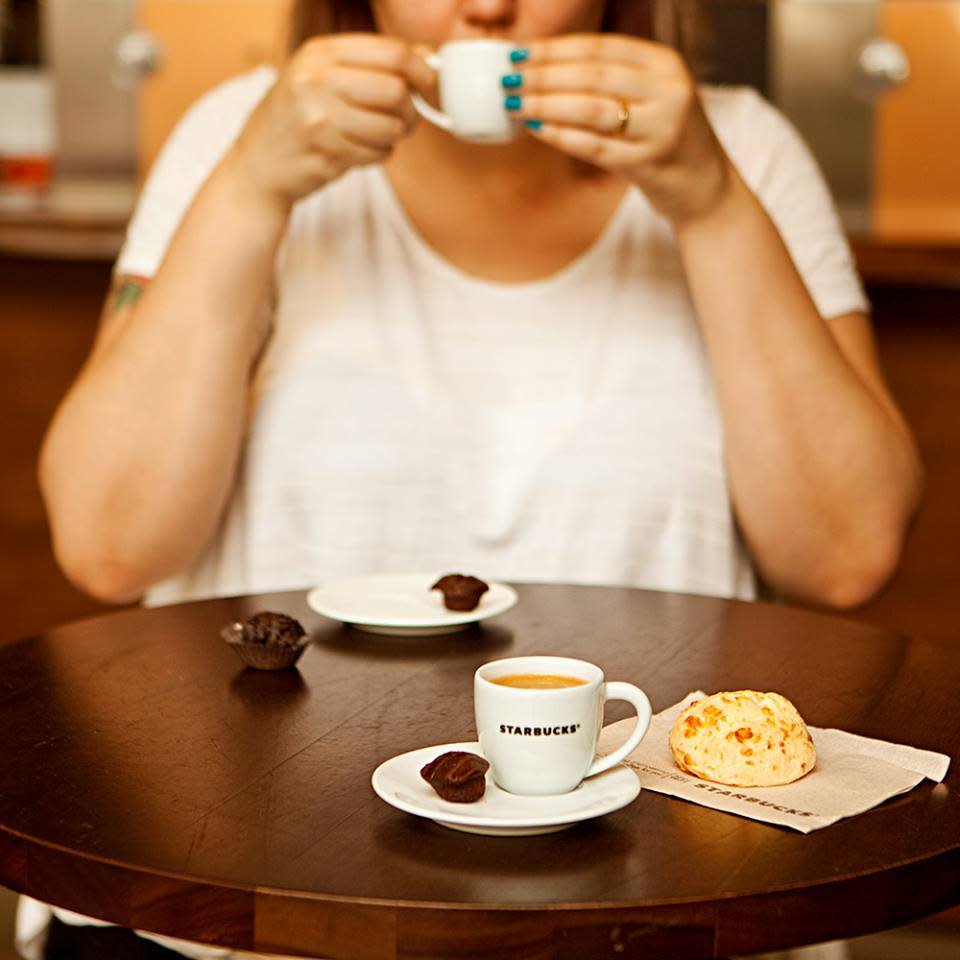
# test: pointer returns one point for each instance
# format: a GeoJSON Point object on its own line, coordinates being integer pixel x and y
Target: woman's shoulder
{"type": "Point", "coordinates": [209, 126]}
{"type": "Point", "coordinates": [759, 138]}
{"type": "Point", "coordinates": [191, 151]}
{"type": "Point", "coordinates": [739, 110]}
{"type": "Point", "coordinates": [230, 101]}
{"type": "Point", "coordinates": [243, 87]}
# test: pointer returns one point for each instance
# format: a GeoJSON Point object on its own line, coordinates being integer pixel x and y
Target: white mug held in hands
{"type": "Point", "coordinates": [539, 720]}
{"type": "Point", "coordinates": [471, 94]}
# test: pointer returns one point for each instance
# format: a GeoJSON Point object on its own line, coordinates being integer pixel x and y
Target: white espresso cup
{"type": "Point", "coordinates": [544, 741]}
{"type": "Point", "coordinates": [471, 93]}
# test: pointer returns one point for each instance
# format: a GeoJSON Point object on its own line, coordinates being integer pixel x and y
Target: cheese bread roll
{"type": "Point", "coordinates": [743, 739]}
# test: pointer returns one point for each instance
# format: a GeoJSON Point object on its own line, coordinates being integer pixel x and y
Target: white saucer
{"type": "Point", "coordinates": [402, 604]}
{"type": "Point", "coordinates": [499, 813]}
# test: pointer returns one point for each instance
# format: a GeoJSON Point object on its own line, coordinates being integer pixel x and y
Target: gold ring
{"type": "Point", "coordinates": [623, 116]}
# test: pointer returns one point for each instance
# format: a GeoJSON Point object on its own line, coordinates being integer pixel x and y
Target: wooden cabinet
{"type": "Point", "coordinates": [200, 43]}
{"type": "Point", "coordinates": [873, 87]}
{"type": "Point", "coordinates": [917, 131]}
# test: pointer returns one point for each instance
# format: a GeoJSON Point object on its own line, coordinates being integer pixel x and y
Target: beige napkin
{"type": "Point", "coordinates": [852, 774]}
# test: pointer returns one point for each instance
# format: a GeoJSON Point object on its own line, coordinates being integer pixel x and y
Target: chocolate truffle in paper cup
{"type": "Point", "coordinates": [267, 641]}
{"type": "Point", "coordinates": [743, 739]}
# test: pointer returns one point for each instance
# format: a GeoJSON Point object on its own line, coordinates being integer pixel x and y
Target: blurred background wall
{"type": "Point", "coordinates": [89, 89]}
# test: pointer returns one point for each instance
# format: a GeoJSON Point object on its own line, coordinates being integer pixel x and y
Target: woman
{"type": "Point", "coordinates": [615, 374]}
{"type": "Point", "coordinates": [628, 347]}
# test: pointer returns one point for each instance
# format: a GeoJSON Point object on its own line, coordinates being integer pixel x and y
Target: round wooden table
{"type": "Point", "coordinates": [147, 779]}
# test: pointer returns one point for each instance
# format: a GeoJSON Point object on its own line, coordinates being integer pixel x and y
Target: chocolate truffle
{"type": "Point", "coordinates": [460, 593]}
{"type": "Point", "coordinates": [274, 630]}
{"type": "Point", "coordinates": [267, 641]}
{"type": "Point", "coordinates": [457, 776]}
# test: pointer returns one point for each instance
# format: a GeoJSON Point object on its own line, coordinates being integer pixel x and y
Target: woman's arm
{"type": "Point", "coordinates": [824, 473]}
{"type": "Point", "coordinates": [141, 456]}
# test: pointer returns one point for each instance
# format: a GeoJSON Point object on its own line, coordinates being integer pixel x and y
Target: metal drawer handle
{"type": "Point", "coordinates": [883, 65]}
{"type": "Point", "coordinates": [136, 56]}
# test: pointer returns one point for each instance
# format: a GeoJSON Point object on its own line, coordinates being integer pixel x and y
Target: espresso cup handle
{"type": "Point", "coordinates": [431, 113]}
{"type": "Point", "coordinates": [617, 690]}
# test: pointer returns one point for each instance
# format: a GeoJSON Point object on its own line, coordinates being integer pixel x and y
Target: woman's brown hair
{"type": "Point", "coordinates": [681, 23]}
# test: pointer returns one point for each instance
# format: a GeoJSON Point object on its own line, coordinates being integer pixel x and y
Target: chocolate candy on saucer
{"type": "Point", "coordinates": [461, 593]}
{"type": "Point", "coordinates": [457, 776]}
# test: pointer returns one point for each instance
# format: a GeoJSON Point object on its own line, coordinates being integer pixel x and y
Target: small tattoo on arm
{"type": "Point", "coordinates": [128, 291]}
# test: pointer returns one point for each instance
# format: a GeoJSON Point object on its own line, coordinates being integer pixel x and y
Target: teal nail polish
{"type": "Point", "coordinates": [533, 124]}
{"type": "Point", "coordinates": [512, 80]}
{"type": "Point", "coordinates": [513, 102]}
{"type": "Point", "coordinates": [519, 54]}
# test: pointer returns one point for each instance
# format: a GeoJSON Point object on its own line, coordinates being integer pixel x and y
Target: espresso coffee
{"type": "Point", "coordinates": [538, 681]}
{"type": "Point", "coordinates": [538, 722]}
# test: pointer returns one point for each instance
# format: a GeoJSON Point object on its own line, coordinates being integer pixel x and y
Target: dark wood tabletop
{"type": "Point", "coordinates": [147, 779]}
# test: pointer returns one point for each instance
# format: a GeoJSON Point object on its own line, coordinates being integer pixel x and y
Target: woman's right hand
{"type": "Point", "coordinates": [341, 101]}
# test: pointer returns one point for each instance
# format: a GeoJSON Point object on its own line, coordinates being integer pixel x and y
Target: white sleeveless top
{"type": "Point", "coordinates": [409, 417]}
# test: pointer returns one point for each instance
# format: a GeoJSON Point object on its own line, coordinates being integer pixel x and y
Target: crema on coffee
{"type": "Point", "coordinates": [538, 681]}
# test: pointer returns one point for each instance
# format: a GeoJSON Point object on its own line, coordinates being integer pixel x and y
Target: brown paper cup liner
{"type": "Point", "coordinates": [262, 657]}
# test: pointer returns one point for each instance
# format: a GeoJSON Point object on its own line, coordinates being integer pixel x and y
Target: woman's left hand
{"type": "Point", "coordinates": [630, 106]}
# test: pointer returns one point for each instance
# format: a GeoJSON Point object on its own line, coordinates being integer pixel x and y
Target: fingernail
{"type": "Point", "coordinates": [512, 80]}
{"type": "Point", "coordinates": [513, 102]}
{"type": "Point", "coordinates": [519, 54]}
{"type": "Point", "coordinates": [533, 124]}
